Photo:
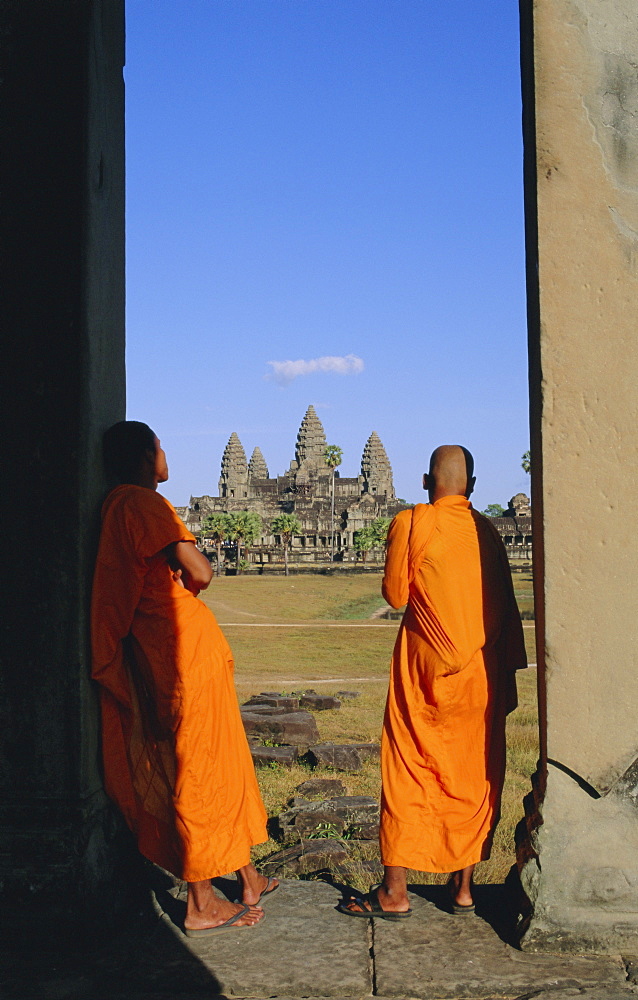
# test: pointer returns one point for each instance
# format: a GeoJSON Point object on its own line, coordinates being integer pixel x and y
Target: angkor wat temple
{"type": "Point", "coordinates": [305, 491]}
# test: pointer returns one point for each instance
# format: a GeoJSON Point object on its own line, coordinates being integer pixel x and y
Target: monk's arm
{"type": "Point", "coordinates": [395, 587]}
{"type": "Point", "coordinates": [195, 568]}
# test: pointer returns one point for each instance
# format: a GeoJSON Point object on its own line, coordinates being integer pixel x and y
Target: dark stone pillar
{"type": "Point", "coordinates": [62, 276]}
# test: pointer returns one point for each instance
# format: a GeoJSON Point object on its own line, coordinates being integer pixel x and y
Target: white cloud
{"type": "Point", "coordinates": [284, 372]}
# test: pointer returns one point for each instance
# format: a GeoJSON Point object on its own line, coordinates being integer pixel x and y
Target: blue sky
{"type": "Point", "coordinates": [313, 179]}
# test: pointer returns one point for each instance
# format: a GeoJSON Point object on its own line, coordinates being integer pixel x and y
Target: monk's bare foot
{"type": "Point", "coordinates": [204, 909]}
{"type": "Point", "coordinates": [254, 885]}
{"type": "Point", "coordinates": [460, 888]}
{"type": "Point", "coordinates": [392, 902]}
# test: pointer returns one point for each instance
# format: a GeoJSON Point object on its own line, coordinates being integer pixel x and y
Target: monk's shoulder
{"type": "Point", "coordinates": [401, 524]}
{"type": "Point", "coordinates": [404, 517]}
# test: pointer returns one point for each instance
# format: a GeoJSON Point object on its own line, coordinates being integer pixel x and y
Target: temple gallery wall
{"type": "Point", "coordinates": [305, 490]}
{"type": "Point", "coordinates": [62, 271]}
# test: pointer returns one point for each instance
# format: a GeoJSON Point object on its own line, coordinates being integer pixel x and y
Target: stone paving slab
{"type": "Point", "coordinates": [306, 949]}
{"type": "Point", "coordinates": [302, 948]}
{"type": "Point", "coordinates": [436, 956]}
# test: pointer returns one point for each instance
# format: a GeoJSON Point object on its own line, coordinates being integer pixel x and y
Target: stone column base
{"type": "Point", "coordinates": [578, 865]}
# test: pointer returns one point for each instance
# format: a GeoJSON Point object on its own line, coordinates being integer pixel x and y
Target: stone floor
{"type": "Point", "coordinates": [304, 948]}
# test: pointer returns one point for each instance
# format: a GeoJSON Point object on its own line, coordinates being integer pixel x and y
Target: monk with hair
{"type": "Point", "coordinates": [176, 759]}
{"type": "Point", "coordinates": [452, 684]}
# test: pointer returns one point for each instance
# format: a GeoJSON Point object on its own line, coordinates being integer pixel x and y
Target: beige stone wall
{"type": "Point", "coordinates": [586, 69]}
{"type": "Point", "coordinates": [580, 62]}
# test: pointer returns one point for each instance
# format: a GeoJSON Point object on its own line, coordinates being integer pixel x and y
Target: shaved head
{"type": "Point", "coordinates": [451, 471]}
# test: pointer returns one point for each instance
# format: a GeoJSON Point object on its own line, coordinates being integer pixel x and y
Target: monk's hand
{"type": "Point", "coordinates": [187, 582]}
{"type": "Point", "coordinates": [177, 576]}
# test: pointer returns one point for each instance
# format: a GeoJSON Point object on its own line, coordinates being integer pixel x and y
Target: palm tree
{"type": "Point", "coordinates": [526, 461]}
{"type": "Point", "coordinates": [364, 540]}
{"type": "Point", "coordinates": [332, 457]}
{"type": "Point", "coordinates": [380, 529]}
{"type": "Point", "coordinates": [217, 528]}
{"type": "Point", "coordinates": [285, 525]}
{"type": "Point", "coordinates": [245, 526]}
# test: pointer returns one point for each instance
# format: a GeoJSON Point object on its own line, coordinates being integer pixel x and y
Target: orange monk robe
{"type": "Point", "coordinates": [452, 683]}
{"type": "Point", "coordinates": [176, 760]}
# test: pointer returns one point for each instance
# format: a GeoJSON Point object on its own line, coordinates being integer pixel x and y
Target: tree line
{"type": "Point", "coordinates": [241, 528]}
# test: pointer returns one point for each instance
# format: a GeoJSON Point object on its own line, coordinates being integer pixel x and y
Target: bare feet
{"type": "Point", "coordinates": [460, 886]}
{"type": "Point", "coordinates": [204, 909]}
{"type": "Point", "coordinates": [254, 885]}
{"type": "Point", "coordinates": [390, 902]}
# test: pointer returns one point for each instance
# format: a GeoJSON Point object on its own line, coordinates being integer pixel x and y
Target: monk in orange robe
{"type": "Point", "coordinates": [176, 759]}
{"type": "Point", "coordinates": [452, 684]}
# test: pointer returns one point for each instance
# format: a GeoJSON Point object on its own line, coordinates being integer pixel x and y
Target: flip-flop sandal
{"type": "Point", "coordinates": [459, 909]}
{"type": "Point", "coordinates": [376, 911]}
{"type": "Point", "coordinates": [271, 887]}
{"type": "Point", "coordinates": [228, 925]}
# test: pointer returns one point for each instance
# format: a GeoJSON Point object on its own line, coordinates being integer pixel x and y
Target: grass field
{"type": "Point", "coordinates": [316, 632]}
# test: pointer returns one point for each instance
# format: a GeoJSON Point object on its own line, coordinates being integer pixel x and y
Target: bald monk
{"type": "Point", "coordinates": [452, 684]}
{"type": "Point", "coordinates": [176, 760]}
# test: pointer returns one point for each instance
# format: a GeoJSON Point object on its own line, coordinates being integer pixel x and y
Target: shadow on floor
{"type": "Point", "coordinates": [145, 958]}
{"type": "Point", "coordinates": [494, 904]}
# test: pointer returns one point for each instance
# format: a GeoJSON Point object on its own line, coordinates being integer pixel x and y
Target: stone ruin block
{"type": "Point", "coordinates": [294, 728]}
{"type": "Point", "coordinates": [344, 811]}
{"type": "Point", "coordinates": [308, 856]}
{"type": "Point", "coordinates": [366, 831]}
{"type": "Point", "coordinates": [285, 756]}
{"type": "Point", "coordinates": [343, 756]}
{"type": "Point", "coordinates": [319, 702]}
{"type": "Point", "coordinates": [273, 701]}
{"type": "Point", "coordinates": [321, 786]}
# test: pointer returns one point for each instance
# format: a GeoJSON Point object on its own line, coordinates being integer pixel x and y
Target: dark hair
{"type": "Point", "coordinates": [123, 447]}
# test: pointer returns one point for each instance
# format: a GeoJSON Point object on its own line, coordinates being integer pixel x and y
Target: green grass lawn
{"type": "Point", "coordinates": [327, 641]}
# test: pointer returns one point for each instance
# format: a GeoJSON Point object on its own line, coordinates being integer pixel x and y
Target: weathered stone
{"type": "Point", "coordinates": [319, 702]}
{"type": "Point", "coordinates": [301, 949]}
{"type": "Point", "coordinates": [297, 800]}
{"type": "Point", "coordinates": [581, 164]}
{"type": "Point", "coordinates": [261, 709]}
{"type": "Point", "coordinates": [369, 751]}
{"type": "Point", "coordinates": [272, 701]}
{"type": "Point", "coordinates": [295, 728]}
{"type": "Point", "coordinates": [286, 756]}
{"type": "Point", "coordinates": [366, 831]}
{"type": "Point", "coordinates": [307, 856]}
{"type": "Point", "coordinates": [342, 757]}
{"type": "Point", "coordinates": [343, 811]}
{"type": "Point", "coordinates": [347, 694]}
{"type": "Point", "coordinates": [321, 786]}
{"type": "Point", "coordinates": [435, 954]}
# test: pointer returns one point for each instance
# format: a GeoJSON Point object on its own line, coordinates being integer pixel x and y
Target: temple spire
{"type": "Point", "coordinates": [376, 469]}
{"type": "Point", "coordinates": [233, 482]}
{"type": "Point", "coordinates": [257, 468]}
{"type": "Point", "coordinates": [311, 441]}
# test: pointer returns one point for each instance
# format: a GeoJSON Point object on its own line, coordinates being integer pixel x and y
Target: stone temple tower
{"type": "Point", "coordinates": [257, 468]}
{"type": "Point", "coordinates": [311, 444]}
{"type": "Point", "coordinates": [233, 482]}
{"type": "Point", "coordinates": [376, 470]}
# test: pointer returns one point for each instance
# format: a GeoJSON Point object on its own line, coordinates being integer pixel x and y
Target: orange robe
{"type": "Point", "coordinates": [176, 759]}
{"type": "Point", "coordinates": [452, 683]}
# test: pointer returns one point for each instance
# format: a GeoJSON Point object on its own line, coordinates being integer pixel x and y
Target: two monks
{"type": "Point", "coordinates": [452, 684]}
{"type": "Point", "coordinates": [176, 759]}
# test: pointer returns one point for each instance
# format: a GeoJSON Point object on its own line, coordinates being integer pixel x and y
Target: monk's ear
{"type": "Point", "coordinates": [470, 486]}
{"type": "Point", "coordinates": [426, 481]}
